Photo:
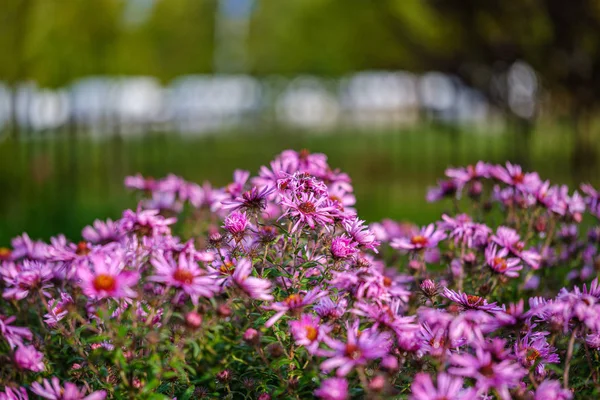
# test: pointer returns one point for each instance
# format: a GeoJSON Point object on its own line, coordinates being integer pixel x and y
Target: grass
{"type": "Point", "coordinates": [60, 183]}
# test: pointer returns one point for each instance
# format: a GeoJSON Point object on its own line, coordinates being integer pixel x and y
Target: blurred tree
{"type": "Point", "coordinates": [15, 22]}
{"type": "Point", "coordinates": [52, 42]}
{"type": "Point", "coordinates": [176, 39]}
{"type": "Point", "coordinates": [67, 41]}
{"type": "Point", "coordinates": [481, 41]}
{"type": "Point", "coordinates": [322, 37]}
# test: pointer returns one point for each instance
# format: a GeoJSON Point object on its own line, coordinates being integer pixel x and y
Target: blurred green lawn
{"type": "Point", "coordinates": [60, 183]}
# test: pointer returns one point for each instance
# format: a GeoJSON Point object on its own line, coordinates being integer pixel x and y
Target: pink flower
{"type": "Point", "coordinates": [146, 222]}
{"type": "Point", "coordinates": [361, 234]}
{"type": "Point", "coordinates": [23, 278]}
{"type": "Point", "coordinates": [333, 389]}
{"type": "Point", "coordinates": [253, 200]}
{"type": "Point", "coordinates": [14, 335]}
{"type": "Point", "coordinates": [308, 332]}
{"type": "Point", "coordinates": [184, 274]}
{"type": "Point", "coordinates": [293, 302]}
{"type": "Point", "coordinates": [102, 232]}
{"type": "Point", "coordinates": [256, 288]}
{"type": "Point", "coordinates": [428, 237]}
{"type": "Point", "coordinates": [513, 175]}
{"type": "Point", "coordinates": [343, 247]}
{"type": "Point", "coordinates": [447, 388]}
{"type": "Point", "coordinates": [357, 350]}
{"type": "Point", "coordinates": [509, 238]}
{"type": "Point", "coordinates": [236, 223]}
{"type": "Point", "coordinates": [27, 357]}
{"type": "Point", "coordinates": [70, 391]}
{"type": "Point", "coordinates": [327, 308]}
{"type": "Point", "coordinates": [463, 175]}
{"type": "Point", "coordinates": [306, 209]}
{"type": "Point", "coordinates": [552, 390]}
{"type": "Point", "coordinates": [107, 277]}
{"type": "Point", "coordinates": [501, 376]}
{"type": "Point", "coordinates": [24, 247]}
{"type": "Point", "coordinates": [470, 302]}
{"type": "Point", "coordinates": [14, 394]}
{"type": "Point", "coordinates": [57, 309]}
{"type": "Point", "coordinates": [500, 264]}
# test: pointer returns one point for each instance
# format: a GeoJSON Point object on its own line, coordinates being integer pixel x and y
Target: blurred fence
{"type": "Point", "coordinates": [195, 104]}
{"type": "Point", "coordinates": [393, 132]}
{"type": "Point", "coordinates": [59, 182]}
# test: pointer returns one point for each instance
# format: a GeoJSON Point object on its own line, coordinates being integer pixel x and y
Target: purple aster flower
{"type": "Point", "coordinates": [513, 175]}
{"type": "Point", "coordinates": [510, 239]}
{"type": "Point", "coordinates": [107, 278]}
{"type": "Point", "coordinates": [327, 308]}
{"type": "Point", "coordinates": [470, 302]}
{"type": "Point", "coordinates": [470, 172]}
{"type": "Point", "coordinates": [471, 326]}
{"type": "Point", "coordinates": [24, 247]}
{"type": "Point", "coordinates": [428, 237]}
{"type": "Point", "coordinates": [342, 199]}
{"type": "Point", "coordinates": [333, 389]}
{"type": "Point", "coordinates": [429, 288]}
{"type": "Point", "coordinates": [593, 340]}
{"type": "Point", "coordinates": [434, 341]}
{"type": "Point", "coordinates": [500, 376]}
{"type": "Point", "coordinates": [361, 234]}
{"type": "Point", "coordinates": [294, 302]}
{"type": "Point", "coordinates": [140, 183]}
{"type": "Point", "coordinates": [309, 332]}
{"type": "Point", "coordinates": [464, 230]}
{"type": "Point", "coordinates": [53, 391]}
{"type": "Point", "coordinates": [184, 274]}
{"type": "Point", "coordinates": [357, 350]}
{"type": "Point", "coordinates": [57, 309]}
{"type": "Point", "coordinates": [535, 351]}
{"type": "Point", "coordinates": [27, 357]}
{"type": "Point", "coordinates": [445, 188]}
{"type": "Point", "coordinates": [236, 188]}
{"type": "Point", "coordinates": [253, 201]}
{"type": "Point", "coordinates": [447, 388]}
{"type": "Point", "coordinates": [552, 390]}
{"type": "Point", "coordinates": [14, 394]}
{"type": "Point", "coordinates": [306, 209]}
{"type": "Point", "coordinates": [388, 315]}
{"type": "Point", "coordinates": [163, 201]}
{"type": "Point", "coordinates": [14, 335]}
{"type": "Point", "coordinates": [21, 279]}
{"type": "Point", "coordinates": [236, 224]}
{"type": "Point", "coordinates": [500, 264]}
{"type": "Point", "coordinates": [205, 196]}
{"type": "Point", "coordinates": [343, 247]}
{"type": "Point", "coordinates": [256, 288]}
{"type": "Point", "coordinates": [102, 232]}
{"type": "Point", "coordinates": [302, 182]}
{"type": "Point", "coordinates": [146, 222]}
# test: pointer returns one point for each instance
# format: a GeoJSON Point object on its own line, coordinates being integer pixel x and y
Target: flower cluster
{"type": "Point", "coordinates": [273, 287]}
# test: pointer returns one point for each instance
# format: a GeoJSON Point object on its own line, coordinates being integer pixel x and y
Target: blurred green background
{"type": "Point", "coordinates": [393, 91]}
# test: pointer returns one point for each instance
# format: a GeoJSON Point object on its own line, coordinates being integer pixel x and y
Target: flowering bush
{"type": "Point", "coordinates": [274, 288]}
